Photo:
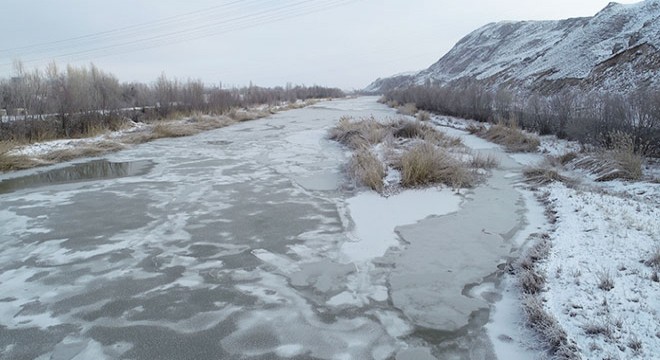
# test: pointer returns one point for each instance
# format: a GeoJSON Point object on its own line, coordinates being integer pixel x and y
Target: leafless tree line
{"type": "Point", "coordinates": [591, 118]}
{"type": "Point", "coordinates": [67, 102]}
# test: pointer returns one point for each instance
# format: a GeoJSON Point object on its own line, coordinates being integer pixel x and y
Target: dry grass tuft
{"type": "Point", "coordinates": [619, 162]}
{"type": "Point", "coordinates": [423, 115]}
{"type": "Point", "coordinates": [424, 164]}
{"type": "Point", "coordinates": [413, 129]}
{"type": "Point", "coordinates": [623, 153]}
{"type": "Point", "coordinates": [611, 166]}
{"type": "Point", "coordinates": [173, 129]}
{"type": "Point", "coordinates": [410, 146]}
{"type": "Point", "coordinates": [548, 327]}
{"type": "Point", "coordinates": [484, 161]}
{"type": "Point", "coordinates": [605, 280]}
{"type": "Point", "coordinates": [241, 115]}
{"type": "Point", "coordinates": [9, 161]}
{"type": "Point", "coordinates": [82, 151]}
{"type": "Point", "coordinates": [531, 282]}
{"type": "Point", "coordinates": [537, 252]}
{"type": "Point", "coordinates": [511, 137]}
{"type": "Point", "coordinates": [475, 129]}
{"type": "Point", "coordinates": [408, 109]}
{"type": "Point", "coordinates": [567, 157]}
{"type": "Point", "coordinates": [169, 129]}
{"type": "Point", "coordinates": [365, 168]}
{"type": "Point", "coordinates": [407, 129]}
{"type": "Point", "coordinates": [654, 260]}
{"type": "Point", "coordinates": [358, 133]}
{"type": "Point", "coordinates": [543, 176]}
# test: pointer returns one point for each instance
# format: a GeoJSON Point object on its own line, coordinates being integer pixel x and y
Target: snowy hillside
{"type": "Point", "coordinates": [618, 49]}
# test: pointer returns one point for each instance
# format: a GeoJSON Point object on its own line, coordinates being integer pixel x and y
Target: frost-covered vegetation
{"type": "Point", "coordinates": [84, 101]}
{"type": "Point", "coordinates": [406, 153]}
{"type": "Point", "coordinates": [594, 119]}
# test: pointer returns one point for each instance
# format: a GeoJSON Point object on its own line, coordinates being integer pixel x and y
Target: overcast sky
{"type": "Point", "coordinates": [342, 43]}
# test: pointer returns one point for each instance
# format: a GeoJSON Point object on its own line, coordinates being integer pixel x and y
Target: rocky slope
{"type": "Point", "coordinates": [616, 50]}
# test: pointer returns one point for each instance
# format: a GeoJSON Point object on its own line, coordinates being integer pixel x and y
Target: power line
{"type": "Point", "coordinates": [101, 34]}
{"type": "Point", "coordinates": [200, 29]}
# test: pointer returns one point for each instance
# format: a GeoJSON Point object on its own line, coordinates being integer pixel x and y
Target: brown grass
{"type": "Point", "coordinates": [425, 164]}
{"type": "Point", "coordinates": [365, 168]}
{"type": "Point", "coordinates": [414, 129]}
{"type": "Point", "coordinates": [9, 161]}
{"type": "Point", "coordinates": [611, 165]}
{"type": "Point", "coordinates": [407, 109]}
{"type": "Point", "coordinates": [170, 129]}
{"type": "Point", "coordinates": [511, 137]}
{"type": "Point", "coordinates": [91, 150]}
{"type": "Point", "coordinates": [629, 162]}
{"type": "Point", "coordinates": [531, 282]}
{"type": "Point", "coordinates": [241, 115]}
{"type": "Point", "coordinates": [423, 115]}
{"type": "Point", "coordinates": [173, 129]}
{"type": "Point", "coordinates": [567, 157]}
{"type": "Point", "coordinates": [654, 260]}
{"type": "Point", "coordinates": [623, 154]}
{"type": "Point", "coordinates": [410, 146]}
{"type": "Point", "coordinates": [475, 129]}
{"type": "Point", "coordinates": [357, 134]}
{"type": "Point", "coordinates": [484, 161]}
{"type": "Point", "coordinates": [549, 329]}
{"type": "Point", "coordinates": [543, 176]}
{"type": "Point", "coordinates": [619, 161]}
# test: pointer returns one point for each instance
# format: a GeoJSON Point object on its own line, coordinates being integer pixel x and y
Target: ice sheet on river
{"type": "Point", "coordinates": [238, 243]}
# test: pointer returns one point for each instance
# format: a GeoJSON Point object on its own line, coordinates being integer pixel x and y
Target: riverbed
{"type": "Point", "coordinates": [247, 242]}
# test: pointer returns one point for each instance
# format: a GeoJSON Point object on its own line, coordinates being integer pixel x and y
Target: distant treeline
{"type": "Point", "coordinates": [72, 100]}
{"type": "Point", "coordinates": [591, 118]}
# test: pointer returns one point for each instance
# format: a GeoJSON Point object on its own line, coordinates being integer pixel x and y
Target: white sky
{"type": "Point", "coordinates": [347, 45]}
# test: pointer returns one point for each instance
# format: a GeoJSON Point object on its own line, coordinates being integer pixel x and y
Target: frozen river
{"type": "Point", "coordinates": [244, 243]}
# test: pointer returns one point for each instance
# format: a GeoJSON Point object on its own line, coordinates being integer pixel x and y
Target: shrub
{"type": "Point", "coordinates": [365, 168]}
{"type": "Point", "coordinates": [424, 164]}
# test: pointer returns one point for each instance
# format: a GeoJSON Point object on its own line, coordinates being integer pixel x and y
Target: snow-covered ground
{"type": "Point", "coordinates": [599, 286]}
{"type": "Point", "coordinates": [36, 150]}
{"type": "Point", "coordinates": [605, 231]}
{"type": "Point", "coordinates": [39, 149]}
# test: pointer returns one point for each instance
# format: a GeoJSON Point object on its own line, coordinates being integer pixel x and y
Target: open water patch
{"type": "Point", "coordinates": [92, 170]}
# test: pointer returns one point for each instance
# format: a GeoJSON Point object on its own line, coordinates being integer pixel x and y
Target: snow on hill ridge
{"type": "Point", "coordinates": [616, 50]}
